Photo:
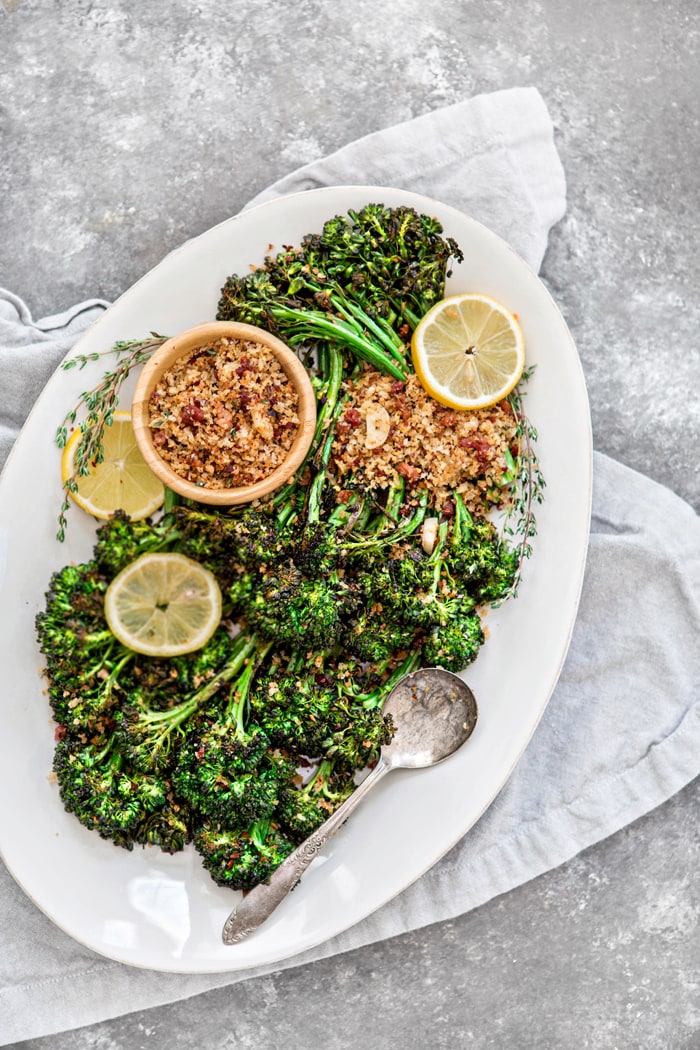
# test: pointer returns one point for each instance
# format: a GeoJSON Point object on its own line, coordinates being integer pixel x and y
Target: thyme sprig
{"type": "Point", "coordinates": [527, 481]}
{"type": "Point", "coordinates": [99, 405]}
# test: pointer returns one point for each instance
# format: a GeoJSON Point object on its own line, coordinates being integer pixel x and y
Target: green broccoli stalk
{"type": "Point", "coordinates": [375, 697]}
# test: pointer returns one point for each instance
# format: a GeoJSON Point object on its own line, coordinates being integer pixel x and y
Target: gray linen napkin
{"type": "Point", "coordinates": [627, 701]}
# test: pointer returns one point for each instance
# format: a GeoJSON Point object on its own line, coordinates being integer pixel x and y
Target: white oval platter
{"type": "Point", "coordinates": [145, 908]}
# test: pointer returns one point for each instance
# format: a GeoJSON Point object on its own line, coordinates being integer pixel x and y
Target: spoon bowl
{"type": "Point", "coordinates": [433, 712]}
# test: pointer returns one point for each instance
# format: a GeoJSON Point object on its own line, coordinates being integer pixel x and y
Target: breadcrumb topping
{"type": "Point", "coordinates": [225, 415]}
{"type": "Point", "coordinates": [390, 427]}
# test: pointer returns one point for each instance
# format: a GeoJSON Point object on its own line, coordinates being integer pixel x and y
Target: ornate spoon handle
{"type": "Point", "coordinates": [257, 905]}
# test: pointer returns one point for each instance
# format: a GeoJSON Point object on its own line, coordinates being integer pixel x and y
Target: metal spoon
{"type": "Point", "coordinates": [434, 712]}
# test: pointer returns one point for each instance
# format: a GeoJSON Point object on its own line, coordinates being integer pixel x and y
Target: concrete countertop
{"type": "Point", "coordinates": [126, 129]}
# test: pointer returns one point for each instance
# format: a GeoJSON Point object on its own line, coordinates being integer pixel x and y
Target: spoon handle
{"type": "Point", "coordinates": [261, 901]}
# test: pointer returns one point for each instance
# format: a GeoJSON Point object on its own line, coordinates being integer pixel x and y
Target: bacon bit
{"type": "Point", "coordinates": [59, 732]}
{"type": "Point", "coordinates": [409, 472]}
{"type": "Point", "coordinates": [352, 417]}
{"type": "Point", "coordinates": [474, 444]}
{"type": "Point", "coordinates": [397, 387]}
{"type": "Point", "coordinates": [200, 753]}
{"type": "Point", "coordinates": [246, 365]}
{"type": "Point", "coordinates": [344, 496]}
{"type": "Point", "coordinates": [191, 414]}
{"type": "Point", "coordinates": [447, 419]}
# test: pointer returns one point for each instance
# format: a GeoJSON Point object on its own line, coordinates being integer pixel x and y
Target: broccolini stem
{"type": "Point", "coordinates": [386, 336]}
{"type": "Point", "coordinates": [408, 527]}
{"type": "Point", "coordinates": [310, 324]}
{"type": "Point", "coordinates": [236, 707]}
{"type": "Point", "coordinates": [313, 513]}
{"type": "Point", "coordinates": [111, 679]}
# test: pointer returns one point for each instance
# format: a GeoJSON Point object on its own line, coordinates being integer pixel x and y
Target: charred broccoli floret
{"type": "Point", "coordinates": [151, 737]}
{"type": "Point", "coordinates": [221, 770]}
{"type": "Point", "coordinates": [455, 644]}
{"type": "Point", "coordinates": [302, 809]}
{"type": "Point", "coordinates": [121, 540]}
{"type": "Point", "coordinates": [242, 859]}
{"type": "Point", "coordinates": [97, 785]}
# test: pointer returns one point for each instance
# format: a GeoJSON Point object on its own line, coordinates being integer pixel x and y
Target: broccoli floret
{"type": "Point", "coordinates": [240, 859]}
{"type": "Point", "coordinates": [294, 709]}
{"type": "Point", "coordinates": [85, 664]}
{"type": "Point", "coordinates": [97, 785]}
{"type": "Point", "coordinates": [151, 737]}
{"type": "Point", "coordinates": [454, 645]}
{"type": "Point", "coordinates": [169, 827]}
{"type": "Point", "coordinates": [301, 810]}
{"type": "Point", "coordinates": [374, 638]}
{"type": "Point", "coordinates": [72, 622]}
{"type": "Point", "coordinates": [357, 736]}
{"type": "Point", "coordinates": [121, 540]}
{"type": "Point", "coordinates": [497, 583]}
{"type": "Point", "coordinates": [300, 612]}
{"type": "Point", "coordinates": [314, 549]}
{"type": "Point", "coordinates": [220, 770]}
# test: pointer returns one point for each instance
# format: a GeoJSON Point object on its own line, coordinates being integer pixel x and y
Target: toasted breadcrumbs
{"type": "Point", "coordinates": [390, 427]}
{"type": "Point", "coordinates": [225, 415]}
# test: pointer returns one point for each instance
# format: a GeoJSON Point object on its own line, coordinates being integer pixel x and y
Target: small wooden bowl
{"type": "Point", "coordinates": [189, 340]}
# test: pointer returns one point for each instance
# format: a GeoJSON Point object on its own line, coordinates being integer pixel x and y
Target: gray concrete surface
{"type": "Point", "coordinates": [125, 129]}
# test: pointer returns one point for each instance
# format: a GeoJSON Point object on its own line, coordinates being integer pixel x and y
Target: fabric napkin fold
{"type": "Point", "coordinates": [626, 704]}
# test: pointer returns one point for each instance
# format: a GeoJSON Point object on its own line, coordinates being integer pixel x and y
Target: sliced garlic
{"type": "Point", "coordinates": [378, 423]}
{"type": "Point", "coordinates": [428, 534]}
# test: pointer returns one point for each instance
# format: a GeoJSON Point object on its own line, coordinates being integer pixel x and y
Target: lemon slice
{"type": "Point", "coordinates": [163, 605]}
{"type": "Point", "coordinates": [122, 481]}
{"type": "Point", "coordinates": [468, 351]}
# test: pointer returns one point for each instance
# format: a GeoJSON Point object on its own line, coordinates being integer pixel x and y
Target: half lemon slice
{"type": "Point", "coordinates": [163, 605]}
{"type": "Point", "coordinates": [122, 481]}
{"type": "Point", "coordinates": [468, 351]}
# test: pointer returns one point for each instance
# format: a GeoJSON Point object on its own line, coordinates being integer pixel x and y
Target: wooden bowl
{"type": "Point", "coordinates": [189, 340]}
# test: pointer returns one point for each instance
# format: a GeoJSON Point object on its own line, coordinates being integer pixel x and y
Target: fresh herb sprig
{"type": "Point", "coordinates": [527, 481]}
{"type": "Point", "coordinates": [99, 405]}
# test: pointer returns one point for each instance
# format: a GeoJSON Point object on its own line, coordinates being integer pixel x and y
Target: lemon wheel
{"type": "Point", "coordinates": [163, 604]}
{"type": "Point", "coordinates": [122, 481]}
{"type": "Point", "coordinates": [468, 351]}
